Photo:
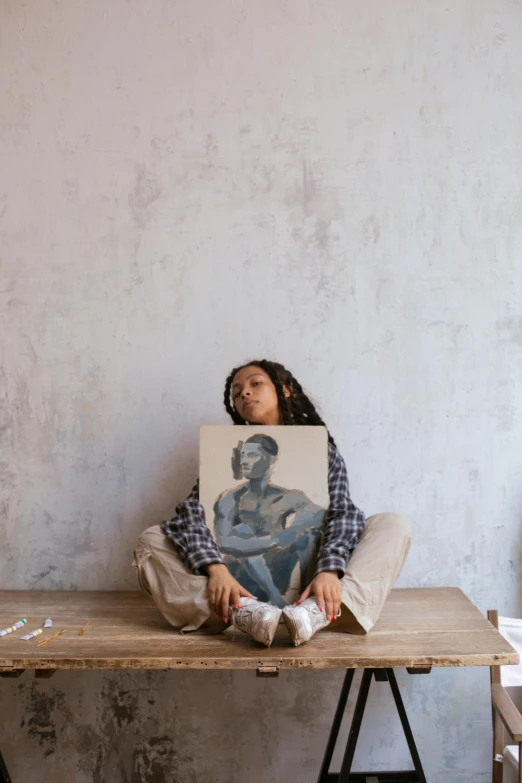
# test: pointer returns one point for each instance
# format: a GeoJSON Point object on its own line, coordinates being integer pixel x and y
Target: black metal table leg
{"type": "Point", "coordinates": [336, 725]}
{"type": "Point", "coordinates": [346, 775]}
{"type": "Point", "coordinates": [353, 736]}
{"type": "Point", "coordinates": [406, 725]}
{"type": "Point", "coordinates": [4, 774]}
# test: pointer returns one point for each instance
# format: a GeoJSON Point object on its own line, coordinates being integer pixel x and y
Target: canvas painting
{"type": "Point", "coordinates": [265, 495]}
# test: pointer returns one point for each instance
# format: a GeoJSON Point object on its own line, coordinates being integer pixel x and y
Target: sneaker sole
{"type": "Point", "coordinates": [292, 629]}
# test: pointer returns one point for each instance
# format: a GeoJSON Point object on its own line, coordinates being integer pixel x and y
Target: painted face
{"type": "Point", "coordinates": [254, 396]}
{"type": "Point", "coordinates": [254, 460]}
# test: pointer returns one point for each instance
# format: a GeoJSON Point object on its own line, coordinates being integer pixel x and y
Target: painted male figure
{"type": "Point", "coordinates": [263, 530]}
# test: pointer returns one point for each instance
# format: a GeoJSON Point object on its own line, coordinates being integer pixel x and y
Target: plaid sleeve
{"type": "Point", "coordinates": [344, 522]}
{"type": "Point", "coordinates": [190, 535]}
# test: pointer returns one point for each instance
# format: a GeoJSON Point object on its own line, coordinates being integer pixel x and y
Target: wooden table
{"type": "Point", "coordinates": [418, 629]}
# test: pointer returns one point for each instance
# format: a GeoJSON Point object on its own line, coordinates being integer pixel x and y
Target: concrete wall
{"type": "Point", "coordinates": [188, 184]}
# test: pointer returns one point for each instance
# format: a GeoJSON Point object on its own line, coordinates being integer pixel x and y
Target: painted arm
{"type": "Point", "coordinates": [308, 516]}
{"type": "Point", "coordinates": [228, 540]}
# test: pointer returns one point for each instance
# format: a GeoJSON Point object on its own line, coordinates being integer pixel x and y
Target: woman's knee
{"type": "Point", "coordinates": [151, 537]}
{"type": "Point", "coordinates": [393, 523]}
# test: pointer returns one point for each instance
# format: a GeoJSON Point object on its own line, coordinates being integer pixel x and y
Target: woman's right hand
{"type": "Point", "coordinates": [224, 590]}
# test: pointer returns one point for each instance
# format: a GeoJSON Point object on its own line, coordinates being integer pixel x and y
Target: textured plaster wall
{"type": "Point", "coordinates": [186, 184]}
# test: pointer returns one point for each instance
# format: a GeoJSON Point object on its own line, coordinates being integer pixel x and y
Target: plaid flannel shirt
{"type": "Point", "coordinates": [342, 528]}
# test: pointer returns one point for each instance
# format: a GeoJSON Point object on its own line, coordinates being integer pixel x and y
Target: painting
{"type": "Point", "coordinates": [265, 495]}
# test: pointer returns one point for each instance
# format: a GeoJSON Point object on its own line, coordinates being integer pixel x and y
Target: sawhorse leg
{"type": "Point", "coordinates": [346, 775]}
{"type": "Point", "coordinates": [4, 774]}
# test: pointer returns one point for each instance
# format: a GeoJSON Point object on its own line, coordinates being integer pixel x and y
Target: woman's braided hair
{"type": "Point", "coordinates": [295, 409]}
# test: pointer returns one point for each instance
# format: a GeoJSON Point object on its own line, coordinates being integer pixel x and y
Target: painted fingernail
{"type": "Point", "coordinates": [238, 606]}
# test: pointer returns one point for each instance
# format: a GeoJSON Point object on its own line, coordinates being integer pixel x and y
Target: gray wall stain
{"type": "Point", "coordinates": [46, 716]}
{"type": "Point", "coordinates": [158, 760]}
{"type": "Point", "coordinates": [510, 329]}
{"type": "Point", "coordinates": [371, 230]}
{"type": "Point", "coordinates": [147, 190]}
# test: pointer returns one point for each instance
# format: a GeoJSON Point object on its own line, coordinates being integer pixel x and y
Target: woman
{"type": "Point", "coordinates": [179, 563]}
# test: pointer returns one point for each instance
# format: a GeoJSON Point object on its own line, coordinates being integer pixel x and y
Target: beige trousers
{"type": "Point", "coordinates": [373, 569]}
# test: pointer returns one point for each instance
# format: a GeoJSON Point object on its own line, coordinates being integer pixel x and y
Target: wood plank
{"type": "Point", "coordinates": [418, 627]}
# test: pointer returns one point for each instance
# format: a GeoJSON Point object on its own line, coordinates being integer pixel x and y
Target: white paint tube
{"type": "Point", "coordinates": [13, 628]}
{"type": "Point", "coordinates": [31, 635]}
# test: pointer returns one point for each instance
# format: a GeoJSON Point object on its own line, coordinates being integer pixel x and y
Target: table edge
{"type": "Point", "coordinates": [232, 663]}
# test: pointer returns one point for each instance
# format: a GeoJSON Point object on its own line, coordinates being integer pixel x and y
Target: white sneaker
{"type": "Point", "coordinates": [304, 620]}
{"type": "Point", "coordinates": [257, 619]}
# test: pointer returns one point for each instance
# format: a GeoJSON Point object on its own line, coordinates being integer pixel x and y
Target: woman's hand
{"type": "Point", "coordinates": [326, 587]}
{"type": "Point", "coordinates": [224, 590]}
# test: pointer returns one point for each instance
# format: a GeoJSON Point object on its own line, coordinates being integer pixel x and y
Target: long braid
{"type": "Point", "coordinates": [295, 409]}
{"type": "Point", "coordinates": [234, 415]}
{"type": "Point", "coordinates": [306, 412]}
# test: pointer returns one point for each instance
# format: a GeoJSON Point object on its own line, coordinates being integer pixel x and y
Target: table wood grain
{"type": "Point", "coordinates": [418, 627]}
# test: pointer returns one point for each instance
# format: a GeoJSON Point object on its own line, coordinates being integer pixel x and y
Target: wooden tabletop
{"type": "Point", "coordinates": [417, 628]}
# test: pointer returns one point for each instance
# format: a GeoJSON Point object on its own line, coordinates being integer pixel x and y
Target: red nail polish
{"type": "Point", "coordinates": [238, 606]}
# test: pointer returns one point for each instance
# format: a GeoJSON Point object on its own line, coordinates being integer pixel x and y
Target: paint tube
{"type": "Point", "coordinates": [13, 628]}
{"type": "Point", "coordinates": [31, 635]}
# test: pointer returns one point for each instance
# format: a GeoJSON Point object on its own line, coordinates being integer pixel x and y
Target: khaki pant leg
{"type": "Point", "coordinates": [180, 595]}
{"type": "Point", "coordinates": [372, 571]}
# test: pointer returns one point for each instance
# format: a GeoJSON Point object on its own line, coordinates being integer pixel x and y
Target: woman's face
{"type": "Point", "coordinates": [254, 460]}
{"type": "Point", "coordinates": [255, 398]}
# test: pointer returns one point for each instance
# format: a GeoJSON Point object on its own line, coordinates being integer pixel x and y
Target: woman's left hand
{"type": "Point", "coordinates": [326, 587]}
